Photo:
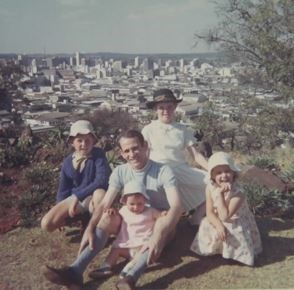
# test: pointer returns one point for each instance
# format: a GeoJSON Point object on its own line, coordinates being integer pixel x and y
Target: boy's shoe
{"type": "Point", "coordinates": [101, 273]}
{"type": "Point", "coordinates": [127, 283]}
{"type": "Point", "coordinates": [63, 276]}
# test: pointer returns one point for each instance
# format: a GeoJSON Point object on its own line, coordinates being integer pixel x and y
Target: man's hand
{"type": "Point", "coordinates": [72, 211]}
{"type": "Point", "coordinates": [88, 239]}
{"type": "Point", "coordinates": [111, 211]}
{"type": "Point", "coordinates": [155, 247]}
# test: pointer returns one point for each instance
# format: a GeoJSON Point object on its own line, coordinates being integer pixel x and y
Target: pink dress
{"type": "Point", "coordinates": [136, 229]}
{"type": "Point", "coordinates": [243, 241]}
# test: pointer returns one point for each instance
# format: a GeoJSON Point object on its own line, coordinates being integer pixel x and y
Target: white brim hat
{"type": "Point", "coordinates": [220, 158]}
{"type": "Point", "coordinates": [82, 127]}
{"type": "Point", "coordinates": [135, 187]}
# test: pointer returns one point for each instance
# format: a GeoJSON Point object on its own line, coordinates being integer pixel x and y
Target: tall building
{"type": "Point", "coordinates": [78, 58]}
{"type": "Point", "coordinates": [136, 61]}
{"type": "Point", "coordinates": [34, 66]}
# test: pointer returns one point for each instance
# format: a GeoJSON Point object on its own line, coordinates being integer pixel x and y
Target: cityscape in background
{"type": "Point", "coordinates": [58, 89]}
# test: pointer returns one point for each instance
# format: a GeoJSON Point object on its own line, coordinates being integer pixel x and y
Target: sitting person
{"type": "Point", "coordinates": [169, 141]}
{"type": "Point", "coordinates": [229, 228]}
{"type": "Point", "coordinates": [83, 179]}
{"type": "Point", "coordinates": [138, 220]}
{"type": "Point", "coordinates": [162, 191]}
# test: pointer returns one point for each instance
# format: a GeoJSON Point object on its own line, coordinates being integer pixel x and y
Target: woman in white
{"type": "Point", "coordinates": [168, 141]}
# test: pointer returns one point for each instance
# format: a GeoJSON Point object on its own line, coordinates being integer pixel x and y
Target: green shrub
{"type": "Point", "coordinates": [15, 156]}
{"type": "Point", "coordinates": [288, 174]}
{"type": "Point", "coordinates": [265, 202]}
{"type": "Point", "coordinates": [41, 181]}
{"type": "Point", "coordinates": [263, 161]}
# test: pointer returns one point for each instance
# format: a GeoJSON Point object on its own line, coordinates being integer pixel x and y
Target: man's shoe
{"type": "Point", "coordinates": [63, 276]}
{"type": "Point", "coordinates": [127, 283]}
{"type": "Point", "coordinates": [101, 273]}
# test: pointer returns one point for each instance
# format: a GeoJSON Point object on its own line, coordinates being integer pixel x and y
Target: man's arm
{"type": "Point", "coordinates": [106, 203]}
{"type": "Point", "coordinates": [165, 226]}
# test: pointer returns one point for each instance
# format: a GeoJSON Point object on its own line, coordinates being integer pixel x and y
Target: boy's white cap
{"type": "Point", "coordinates": [135, 187]}
{"type": "Point", "coordinates": [221, 158]}
{"type": "Point", "coordinates": [82, 127]}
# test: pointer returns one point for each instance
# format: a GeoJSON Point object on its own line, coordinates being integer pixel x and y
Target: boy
{"type": "Point", "coordinates": [83, 179]}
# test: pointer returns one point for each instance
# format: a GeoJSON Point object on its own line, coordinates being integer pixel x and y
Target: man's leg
{"type": "Point", "coordinates": [96, 199]}
{"type": "Point", "coordinates": [107, 225]}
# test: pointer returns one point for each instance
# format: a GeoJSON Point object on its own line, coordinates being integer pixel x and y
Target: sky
{"type": "Point", "coordinates": [124, 26]}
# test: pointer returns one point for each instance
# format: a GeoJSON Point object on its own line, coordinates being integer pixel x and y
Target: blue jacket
{"type": "Point", "coordinates": [82, 184]}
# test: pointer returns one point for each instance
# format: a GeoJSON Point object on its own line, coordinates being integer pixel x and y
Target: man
{"type": "Point", "coordinates": [163, 194]}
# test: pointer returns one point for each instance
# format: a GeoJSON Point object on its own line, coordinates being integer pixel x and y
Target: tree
{"type": "Point", "coordinates": [211, 125]}
{"type": "Point", "coordinates": [108, 125]}
{"type": "Point", "coordinates": [261, 33]}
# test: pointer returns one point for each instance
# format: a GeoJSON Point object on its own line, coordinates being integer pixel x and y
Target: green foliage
{"type": "Point", "coordinates": [265, 202]}
{"type": "Point", "coordinates": [262, 161]}
{"type": "Point", "coordinates": [111, 122]}
{"type": "Point", "coordinates": [260, 32]}
{"type": "Point", "coordinates": [288, 174]}
{"type": "Point", "coordinates": [15, 156]}
{"type": "Point", "coordinates": [113, 159]}
{"type": "Point", "coordinates": [41, 181]}
{"type": "Point", "coordinates": [210, 124]}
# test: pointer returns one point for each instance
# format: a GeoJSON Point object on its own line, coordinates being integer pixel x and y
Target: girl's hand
{"type": "Point", "coordinates": [224, 187]}
{"type": "Point", "coordinates": [72, 211]}
{"type": "Point", "coordinates": [221, 232]}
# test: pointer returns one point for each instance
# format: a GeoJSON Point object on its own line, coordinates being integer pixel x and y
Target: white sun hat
{"type": "Point", "coordinates": [221, 158]}
{"type": "Point", "coordinates": [82, 127]}
{"type": "Point", "coordinates": [135, 187]}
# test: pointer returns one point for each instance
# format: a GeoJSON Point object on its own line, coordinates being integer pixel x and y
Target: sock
{"type": "Point", "coordinates": [87, 255]}
{"type": "Point", "coordinates": [139, 267]}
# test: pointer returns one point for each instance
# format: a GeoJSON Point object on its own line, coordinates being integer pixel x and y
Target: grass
{"type": "Point", "coordinates": [24, 251]}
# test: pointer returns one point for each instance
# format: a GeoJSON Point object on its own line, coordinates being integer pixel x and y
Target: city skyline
{"type": "Point", "coordinates": [66, 26]}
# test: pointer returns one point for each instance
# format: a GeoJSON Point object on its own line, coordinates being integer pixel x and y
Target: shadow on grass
{"type": "Point", "coordinates": [276, 249]}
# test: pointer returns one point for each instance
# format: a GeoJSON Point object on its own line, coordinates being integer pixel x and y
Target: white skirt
{"type": "Point", "coordinates": [191, 185]}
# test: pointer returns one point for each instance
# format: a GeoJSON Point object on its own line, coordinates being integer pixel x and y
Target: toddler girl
{"type": "Point", "coordinates": [137, 224]}
{"type": "Point", "coordinates": [229, 227]}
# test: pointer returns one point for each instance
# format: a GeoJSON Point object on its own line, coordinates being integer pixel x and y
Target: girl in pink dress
{"type": "Point", "coordinates": [137, 224]}
{"type": "Point", "coordinates": [229, 227]}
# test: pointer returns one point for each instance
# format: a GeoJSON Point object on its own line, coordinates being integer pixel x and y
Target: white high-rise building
{"type": "Point", "coordinates": [136, 61]}
{"type": "Point", "coordinates": [34, 66]}
{"type": "Point", "coordinates": [78, 58]}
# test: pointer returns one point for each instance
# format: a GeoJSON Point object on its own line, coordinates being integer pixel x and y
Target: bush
{"type": "Point", "coordinates": [263, 161]}
{"type": "Point", "coordinates": [14, 156]}
{"type": "Point", "coordinates": [288, 174]}
{"type": "Point", "coordinates": [41, 181]}
{"type": "Point", "coordinates": [265, 202]}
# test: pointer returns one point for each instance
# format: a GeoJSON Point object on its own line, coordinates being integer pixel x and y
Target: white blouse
{"type": "Point", "coordinates": [167, 142]}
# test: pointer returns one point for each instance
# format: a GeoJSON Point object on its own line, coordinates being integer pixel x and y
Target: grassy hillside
{"type": "Point", "coordinates": [24, 251]}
